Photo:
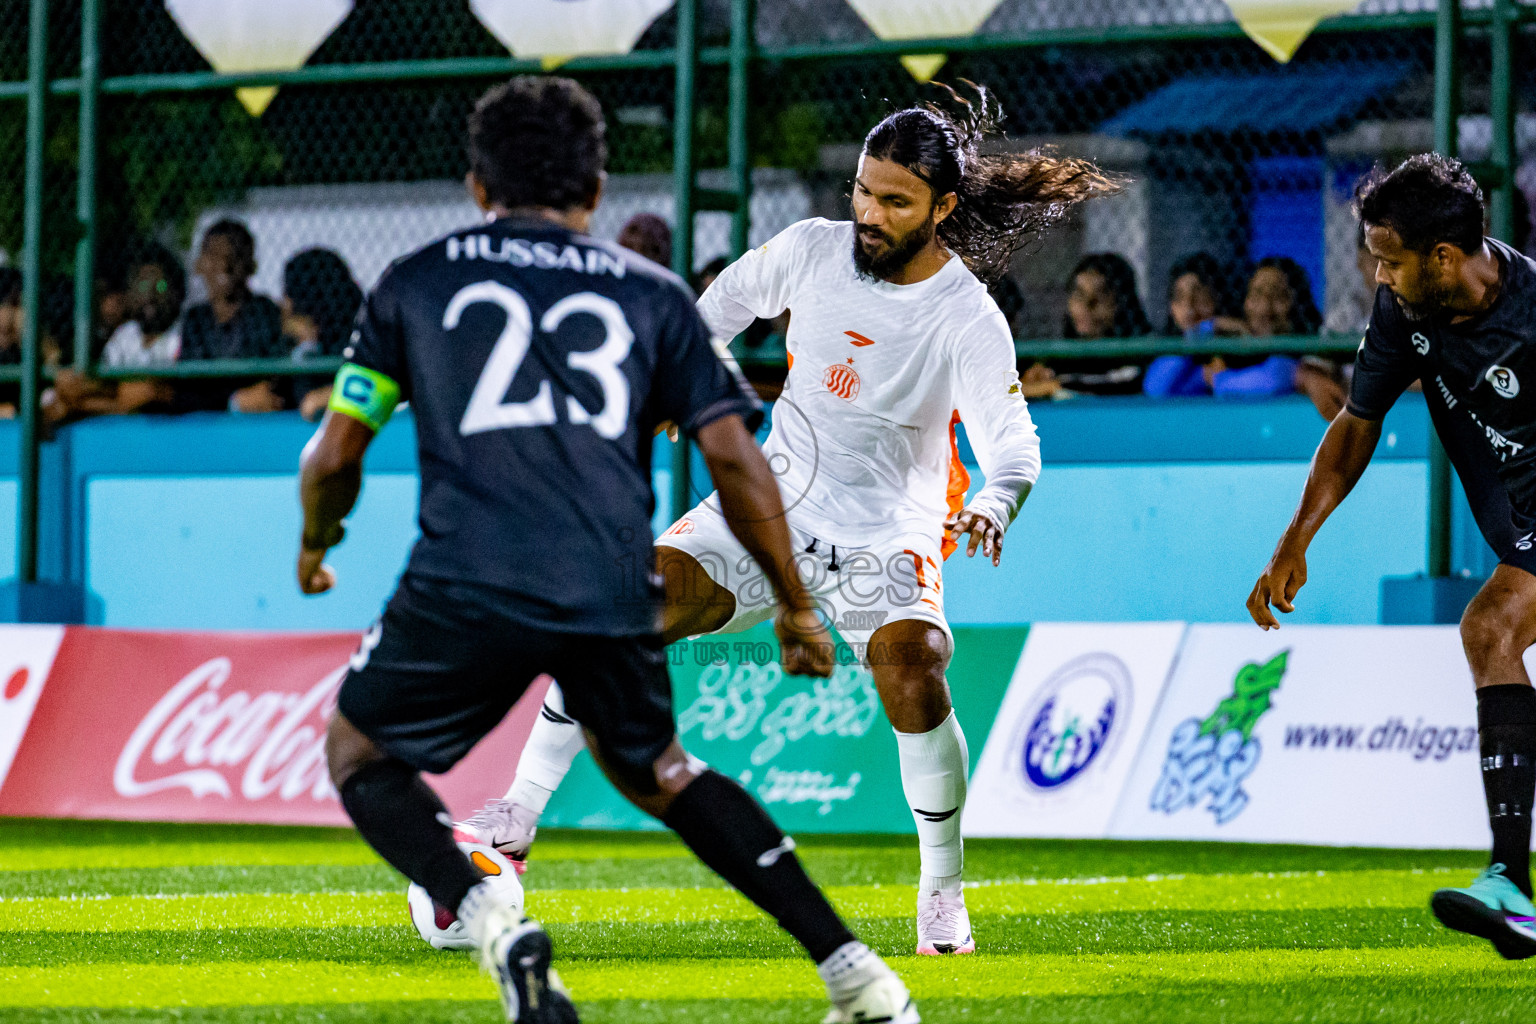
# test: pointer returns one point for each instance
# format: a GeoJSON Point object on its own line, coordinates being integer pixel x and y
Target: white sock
{"type": "Point", "coordinates": [934, 767]}
{"type": "Point", "coordinates": [487, 905]}
{"type": "Point", "coordinates": [850, 967]}
{"type": "Point", "coordinates": [552, 746]}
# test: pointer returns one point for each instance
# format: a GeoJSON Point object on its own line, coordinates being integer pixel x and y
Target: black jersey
{"type": "Point", "coordinates": [538, 363]}
{"type": "Point", "coordinates": [1479, 376]}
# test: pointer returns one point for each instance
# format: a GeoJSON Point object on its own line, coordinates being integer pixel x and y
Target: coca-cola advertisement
{"type": "Point", "coordinates": [98, 723]}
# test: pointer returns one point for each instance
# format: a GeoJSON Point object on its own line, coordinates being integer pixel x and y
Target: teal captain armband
{"type": "Point", "coordinates": [365, 395]}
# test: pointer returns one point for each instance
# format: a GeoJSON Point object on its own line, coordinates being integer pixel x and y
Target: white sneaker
{"type": "Point", "coordinates": [883, 1000]}
{"type": "Point", "coordinates": [505, 825]}
{"type": "Point", "coordinates": [943, 926]}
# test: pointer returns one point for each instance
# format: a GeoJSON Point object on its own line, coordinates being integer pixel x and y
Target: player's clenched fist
{"type": "Point", "coordinates": [315, 577]}
{"type": "Point", "coordinates": [1281, 579]}
{"type": "Point", "coordinates": [805, 646]}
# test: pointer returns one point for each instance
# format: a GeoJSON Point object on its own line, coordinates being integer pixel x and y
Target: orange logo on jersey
{"type": "Point", "coordinates": [842, 380]}
{"type": "Point", "coordinates": [859, 339]}
{"type": "Point", "coordinates": [680, 527]}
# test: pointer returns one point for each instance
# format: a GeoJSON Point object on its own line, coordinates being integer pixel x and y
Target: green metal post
{"type": "Point", "coordinates": [1447, 110]}
{"type": "Point", "coordinates": [739, 144]}
{"type": "Point", "coordinates": [683, 184]}
{"type": "Point", "coordinates": [32, 271]}
{"type": "Point", "coordinates": [1501, 110]}
{"type": "Point", "coordinates": [85, 191]}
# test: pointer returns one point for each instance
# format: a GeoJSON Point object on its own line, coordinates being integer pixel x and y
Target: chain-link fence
{"type": "Point", "coordinates": [1228, 153]}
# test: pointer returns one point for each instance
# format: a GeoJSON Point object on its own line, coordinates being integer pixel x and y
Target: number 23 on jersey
{"type": "Point", "coordinates": [370, 397]}
{"type": "Point", "coordinates": [487, 408]}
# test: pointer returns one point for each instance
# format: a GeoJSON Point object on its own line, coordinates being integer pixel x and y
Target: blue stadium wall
{"type": "Point", "coordinates": [1145, 511]}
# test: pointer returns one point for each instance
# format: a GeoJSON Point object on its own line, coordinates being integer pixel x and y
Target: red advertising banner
{"type": "Point", "coordinates": [194, 727]}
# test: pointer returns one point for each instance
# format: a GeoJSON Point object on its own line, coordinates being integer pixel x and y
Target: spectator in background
{"type": "Point", "coordinates": [1101, 303]}
{"type": "Point", "coordinates": [707, 275]}
{"type": "Point", "coordinates": [151, 336]}
{"type": "Point", "coordinates": [1353, 316]}
{"type": "Point", "coordinates": [1278, 301]}
{"type": "Point", "coordinates": [10, 337]}
{"type": "Point", "coordinates": [111, 294]}
{"type": "Point", "coordinates": [235, 323]}
{"type": "Point", "coordinates": [1009, 297]}
{"type": "Point", "coordinates": [1200, 300]}
{"type": "Point", "coordinates": [648, 235]}
{"type": "Point", "coordinates": [320, 303]}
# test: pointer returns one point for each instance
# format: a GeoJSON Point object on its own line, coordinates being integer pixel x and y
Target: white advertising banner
{"type": "Point", "coordinates": [1333, 735]}
{"type": "Point", "coordinates": [26, 657]}
{"type": "Point", "coordinates": [1058, 754]}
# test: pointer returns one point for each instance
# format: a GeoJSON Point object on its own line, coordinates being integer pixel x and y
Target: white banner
{"type": "Point", "coordinates": [257, 35]}
{"type": "Point", "coordinates": [923, 19]}
{"type": "Point", "coordinates": [567, 28]}
{"type": "Point", "coordinates": [1335, 735]}
{"type": "Point", "coordinates": [1067, 734]}
{"type": "Point", "coordinates": [26, 657]}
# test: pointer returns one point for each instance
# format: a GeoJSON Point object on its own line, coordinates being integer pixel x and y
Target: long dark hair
{"type": "Point", "coordinates": [1305, 319]}
{"type": "Point", "coordinates": [1003, 200]}
{"type": "Point", "coordinates": [1211, 273]}
{"type": "Point", "coordinates": [1130, 318]}
{"type": "Point", "coordinates": [319, 285]}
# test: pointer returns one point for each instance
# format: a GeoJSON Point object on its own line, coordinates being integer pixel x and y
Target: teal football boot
{"type": "Point", "coordinates": [1491, 908]}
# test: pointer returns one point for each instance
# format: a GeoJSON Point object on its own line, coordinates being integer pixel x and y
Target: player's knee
{"type": "Point", "coordinates": [1488, 629]}
{"type": "Point", "coordinates": [347, 750]}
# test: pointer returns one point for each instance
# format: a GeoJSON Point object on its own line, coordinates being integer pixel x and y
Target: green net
{"type": "Point", "coordinates": [1227, 152]}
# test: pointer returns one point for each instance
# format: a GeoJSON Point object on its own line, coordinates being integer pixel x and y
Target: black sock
{"type": "Point", "coordinates": [728, 831]}
{"type": "Point", "coordinates": [1506, 727]}
{"type": "Point", "coordinates": [401, 818]}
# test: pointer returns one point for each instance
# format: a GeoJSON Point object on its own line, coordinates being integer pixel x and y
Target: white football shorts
{"type": "Point", "coordinates": [859, 588]}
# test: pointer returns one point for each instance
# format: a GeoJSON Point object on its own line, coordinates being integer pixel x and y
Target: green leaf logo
{"type": "Point", "coordinates": [1250, 698]}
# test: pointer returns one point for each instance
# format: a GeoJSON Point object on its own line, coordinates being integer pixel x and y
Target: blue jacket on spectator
{"type": "Point", "coordinates": [1184, 376]}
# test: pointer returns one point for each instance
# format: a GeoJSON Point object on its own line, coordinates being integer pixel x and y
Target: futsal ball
{"type": "Point", "coordinates": [439, 926]}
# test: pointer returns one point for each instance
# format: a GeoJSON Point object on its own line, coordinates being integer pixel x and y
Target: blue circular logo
{"type": "Point", "coordinates": [1072, 720]}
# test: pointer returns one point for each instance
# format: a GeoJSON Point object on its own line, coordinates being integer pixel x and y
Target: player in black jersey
{"type": "Point", "coordinates": [1457, 311]}
{"type": "Point", "coordinates": [539, 363]}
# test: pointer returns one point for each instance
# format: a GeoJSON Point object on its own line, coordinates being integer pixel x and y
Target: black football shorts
{"type": "Point", "coordinates": [1508, 529]}
{"type": "Point", "coordinates": [446, 662]}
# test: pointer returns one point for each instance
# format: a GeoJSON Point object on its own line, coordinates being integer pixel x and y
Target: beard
{"type": "Point", "coordinates": [1433, 297]}
{"type": "Point", "coordinates": [884, 263]}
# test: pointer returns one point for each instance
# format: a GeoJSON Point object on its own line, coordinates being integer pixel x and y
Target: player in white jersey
{"type": "Point", "coordinates": [893, 339]}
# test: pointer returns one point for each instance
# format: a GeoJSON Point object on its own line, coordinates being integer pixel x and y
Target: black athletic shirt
{"type": "Point", "coordinates": [1482, 369]}
{"type": "Point", "coordinates": [538, 363]}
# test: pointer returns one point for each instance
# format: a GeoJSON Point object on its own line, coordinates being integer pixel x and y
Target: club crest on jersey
{"type": "Point", "coordinates": [1504, 381]}
{"type": "Point", "coordinates": [842, 380]}
{"type": "Point", "coordinates": [1420, 343]}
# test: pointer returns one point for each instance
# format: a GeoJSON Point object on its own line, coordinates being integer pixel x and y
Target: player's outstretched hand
{"type": "Point", "coordinates": [984, 533]}
{"type": "Point", "coordinates": [1285, 574]}
{"type": "Point", "coordinates": [315, 577]}
{"type": "Point", "coordinates": [805, 646]}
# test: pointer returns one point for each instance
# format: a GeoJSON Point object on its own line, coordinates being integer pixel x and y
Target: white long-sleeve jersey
{"type": "Point", "coordinates": [879, 374]}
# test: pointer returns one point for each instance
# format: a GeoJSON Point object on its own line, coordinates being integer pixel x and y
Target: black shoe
{"type": "Point", "coordinates": [531, 993]}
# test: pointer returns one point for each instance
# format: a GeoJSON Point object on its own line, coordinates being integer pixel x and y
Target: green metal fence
{"type": "Point", "coordinates": [732, 118]}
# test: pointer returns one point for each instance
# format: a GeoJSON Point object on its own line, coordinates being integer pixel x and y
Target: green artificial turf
{"type": "Point", "coordinates": [215, 925]}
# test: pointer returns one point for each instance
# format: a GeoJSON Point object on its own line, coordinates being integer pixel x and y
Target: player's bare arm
{"type": "Point", "coordinates": [1341, 458]}
{"type": "Point", "coordinates": [329, 482]}
{"type": "Point", "coordinates": [749, 499]}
